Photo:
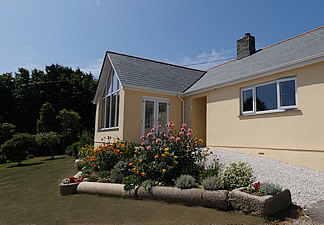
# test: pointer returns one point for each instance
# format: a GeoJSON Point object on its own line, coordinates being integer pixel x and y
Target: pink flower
{"type": "Point", "coordinates": [148, 147]}
{"type": "Point", "coordinates": [163, 146]}
{"type": "Point", "coordinates": [188, 134]}
{"type": "Point", "coordinates": [184, 125]}
{"type": "Point", "coordinates": [149, 135]}
{"type": "Point", "coordinates": [165, 135]}
{"type": "Point", "coordinates": [142, 138]}
{"type": "Point", "coordinates": [181, 143]}
{"type": "Point", "coordinates": [171, 138]}
{"type": "Point", "coordinates": [139, 147]}
{"type": "Point", "coordinates": [160, 127]}
{"type": "Point", "coordinates": [172, 125]}
{"type": "Point", "coordinates": [171, 122]}
{"type": "Point", "coordinates": [180, 134]}
{"type": "Point", "coordinates": [167, 125]}
{"type": "Point", "coordinates": [158, 140]}
{"type": "Point", "coordinates": [153, 142]}
{"type": "Point", "coordinates": [177, 139]}
{"type": "Point", "coordinates": [142, 143]}
{"type": "Point", "coordinates": [188, 147]}
{"type": "Point", "coordinates": [161, 133]}
{"type": "Point", "coordinates": [183, 130]}
{"type": "Point", "coordinates": [190, 130]}
{"type": "Point", "coordinates": [170, 131]}
{"type": "Point", "coordinates": [152, 129]}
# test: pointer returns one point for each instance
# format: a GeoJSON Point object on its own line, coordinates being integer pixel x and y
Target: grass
{"type": "Point", "coordinates": [30, 195]}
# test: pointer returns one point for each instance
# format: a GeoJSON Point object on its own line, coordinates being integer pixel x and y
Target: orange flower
{"type": "Point", "coordinates": [143, 174]}
{"type": "Point", "coordinates": [141, 160]}
{"type": "Point", "coordinates": [155, 157]}
{"type": "Point", "coordinates": [94, 165]}
{"type": "Point", "coordinates": [163, 155]}
{"type": "Point", "coordinates": [175, 157]}
{"type": "Point", "coordinates": [130, 164]}
{"type": "Point", "coordinates": [137, 172]}
{"type": "Point", "coordinates": [164, 170]}
{"type": "Point", "coordinates": [134, 169]}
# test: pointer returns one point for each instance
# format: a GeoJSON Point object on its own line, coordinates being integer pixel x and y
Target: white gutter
{"type": "Point", "coordinates": [182, 108]}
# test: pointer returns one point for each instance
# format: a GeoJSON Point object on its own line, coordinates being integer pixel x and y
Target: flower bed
{"type": "Point", "coordinates": [259, 205]}
{"type": "Point", "coordinates": [69, 185]}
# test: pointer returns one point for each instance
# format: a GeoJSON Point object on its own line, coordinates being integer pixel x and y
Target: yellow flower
{"type": "Point", "coordinates": [143, 174]}
{"type": "Point", "coordinates": [208, 148]}
{"type": "Point", "coordinates": [166, 149]}
{"type": "Point", "coordinates": [201, 140]}
{"type": "Point", "coordinates": [176, 162]}
{"type": "Point", "coordinates": [168, 153]}
{"type": "Point", "coordinates": [155, 157]}
{"type": "Point", "coordinates": [164, 170]}
{"type": "Point", "coordinates": [141, 160]}
{"type": "Point", "coordinates": [175, 157]}
{"type": "Point", "coordinates": [163, 155]}
{"type": "Point", "coordinates": [203, 153]}
{"type": "Point", "coordinates": [130, 164]}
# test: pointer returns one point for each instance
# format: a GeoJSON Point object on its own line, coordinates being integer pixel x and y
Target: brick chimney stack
{"type": "Point", "coordinates": [245, 46]}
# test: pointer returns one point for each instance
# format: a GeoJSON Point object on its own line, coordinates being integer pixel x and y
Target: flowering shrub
{"type": "Point", "coordinates": [237, 175]}
{"type": "Point", "coordinates": [210, 166]}
{"type": "Point", "coordinates": [72, 180]}
{"type": "Point", "coordinates": [264, 189]}
{"type": "Point", "coordinates": [165, 155]}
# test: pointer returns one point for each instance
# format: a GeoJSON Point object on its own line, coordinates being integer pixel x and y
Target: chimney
{"type": "Point", "coordinates": [245, 46]}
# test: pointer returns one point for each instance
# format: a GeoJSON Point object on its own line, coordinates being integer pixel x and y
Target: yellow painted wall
{"type": "Point", "coordinates": [199, 117]}
{"type": "Point", "coordinates": [301, 131]}
{"type": "Point", "coordinates": [133, 112]}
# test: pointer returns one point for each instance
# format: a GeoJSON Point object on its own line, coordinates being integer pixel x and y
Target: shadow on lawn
{"type": "Point", "coordinates": [55, 158]}
{"type": "Point", "coordinates": [24, 165]}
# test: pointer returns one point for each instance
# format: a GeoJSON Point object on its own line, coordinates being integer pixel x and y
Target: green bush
{"type": "Point", "coordinates": [48, 140]}
{"type": "Point", "coordinates": [93, 179]}
{"type": "Point", "coordinates": [72, 150]}
{"type": "Point", "coordinates": [210, 168]}
{"type": "Point", "coordinates": [147, 185]}
{"type": "Point", "coordinates": [237, 175]}
{"type": "Point", "coordinates": [7, 130]}
{"type": "Point", "coordinates": [19, 147]}
{"type": "Point", "coordinates": [86, 138]}
{"type": "Point", "coordinates": [3, 158]}
{"type": "Point", "coordinates": [185, 182]}
{"type": "Point", "coordinates": [130, 182]}
{"type": "Point", "coordinates": [270, 189]}
{"type": "Point", "coordinates": [119, 171]}
{"type": "Point", "coordinates": [212, 183]}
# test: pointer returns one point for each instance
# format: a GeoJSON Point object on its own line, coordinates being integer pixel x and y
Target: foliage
{"type": "Point", "coordinates": [119, 171]}
{"type": "Point", "coordinates": [212, 183]}
{"type": "Point", "coordinates": [7, 130]}
{"type": "Point", "coordinates": [270, 188]}
{"type": "Point", "coordinates": [70, 126]}
{"type": "Point", "coordinates": [185, 182]}
{"type": "Point", "coordinates": [131, 181]}
{"type": "Point", "coordinates": [93, 179]}
{"type": "Point", "coordinates": [47, 119]}
{"type": "Point", "coordinates": [147, 185]}
{"type": "Point", "coordinates": [165, 155]}
{"type": "Point", "coordinates": [105, 157]}
{"type": "Point", "coordinates": [237, 175]}
{"type": "Point", "coordinates": [81, 165]}
{"type": "Point", "coordinates": [23, 93]}
{"type": "Point", "coordinates": [48, 140]}
{"type": "Point", "coordinates": [19, 147]}
{"type": "Point", "coordinates": [210, 167]}
{"type": "Point", "coordinates": [86, 171]}
{"type": "Point", "coordinates": [72, 150]}
{"type": "Point", "coordinates": [86, 138]}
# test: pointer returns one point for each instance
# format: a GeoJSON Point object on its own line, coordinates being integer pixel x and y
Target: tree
{"type": "Point", "coordinates": [70, 126]}
{"type": "Point", "coordinates": [47, 119]}
{"type": "Point", "coordinates": [7, 130]}
{"type": "Point", "coordinates": [48, 140]}
{"type": "Point", "coordinates": [19, 147]}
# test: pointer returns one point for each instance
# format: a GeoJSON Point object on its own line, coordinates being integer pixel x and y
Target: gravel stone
{"type": "Point", "coordinates": [306, 185]}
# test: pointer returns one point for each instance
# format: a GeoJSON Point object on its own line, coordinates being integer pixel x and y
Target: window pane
{"type": "Point", "coordinates": [266, 97]}
{"type": "Point", "coordinates": [247, 100]}
{"type": "Point", "coordinates": [149, 116]}
{"type": "Point", "coordinates": [103, 108]}
{"type": "Point", "coordinates": [162, 117]}
{"type": "Point", "coordinates": [108, 111]}
{"type": "Point", "coordinates": [117, 117]}
{"type": "Point", "coordinates": [287, 93]}
{"type": "Point", "coordinates": [109, 84]}
{"type": "Point", "coordinates": [113, 110]}
{"type": "Point", "coordinates": [118, 85]}
{"type": "Point", "coordinates": [114, 85]}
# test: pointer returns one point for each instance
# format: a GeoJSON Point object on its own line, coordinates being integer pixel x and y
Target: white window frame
{"type": "Point", "coordinates": [105, 96]}
{"type": "Point", "coordinates": [279, 108]}
{"type": "Point", "coordinates": [156, 110]}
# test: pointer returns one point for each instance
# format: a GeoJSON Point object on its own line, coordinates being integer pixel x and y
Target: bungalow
{"type": "Point", "coordinates": [266, 102]}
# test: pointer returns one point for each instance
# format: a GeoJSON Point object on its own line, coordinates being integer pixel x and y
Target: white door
{"type": "Point", "coordinates": [155, 113]}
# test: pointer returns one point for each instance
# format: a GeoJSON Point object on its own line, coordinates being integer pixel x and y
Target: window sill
{"type": "Point", "coordinates": [108, 129]}
{"type": "Point", "coordinates": [270, 112]}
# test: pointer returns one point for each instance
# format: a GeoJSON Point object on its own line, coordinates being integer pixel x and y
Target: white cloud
{"type": "Point", "coordinates": [98, 2]}
{"type": "Point", "coordinates": [93, 67]}
{"type": "Point", "coordinates": [213, 58]}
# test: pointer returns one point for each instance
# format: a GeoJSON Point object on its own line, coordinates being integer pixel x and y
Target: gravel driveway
{"type": "Point", "coordinates": [306, 185]}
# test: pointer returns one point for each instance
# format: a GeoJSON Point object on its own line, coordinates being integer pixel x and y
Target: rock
{"type": "Point", "coordinates": [259, 205]}
{"type": "Point", "coordinates": [68, 189]}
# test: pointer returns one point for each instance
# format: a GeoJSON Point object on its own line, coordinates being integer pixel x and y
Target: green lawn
{"type": "Point", "coordinates": [30, 195]}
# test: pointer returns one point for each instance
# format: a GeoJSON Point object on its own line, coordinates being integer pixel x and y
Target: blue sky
{"type": "Point", "coordinates": [76, 33]}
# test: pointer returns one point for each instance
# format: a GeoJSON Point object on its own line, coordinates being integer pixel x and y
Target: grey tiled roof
{"type": "Point", "coordinates": [151, 74]}
{"type": "Point", "coordinates": [299, 47]}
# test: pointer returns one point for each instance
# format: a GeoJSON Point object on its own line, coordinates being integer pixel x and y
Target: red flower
{"type": "Point", "coordinates": [257, 186]}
